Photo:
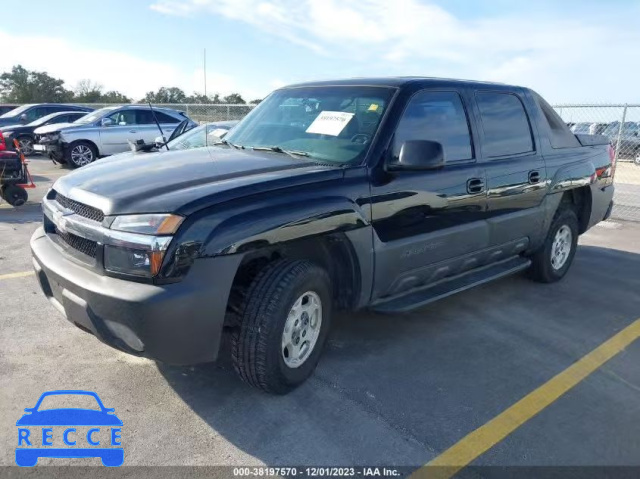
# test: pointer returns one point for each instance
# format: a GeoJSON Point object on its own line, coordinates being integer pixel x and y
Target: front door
{"type": "Point", "coordinates": [430, 224]}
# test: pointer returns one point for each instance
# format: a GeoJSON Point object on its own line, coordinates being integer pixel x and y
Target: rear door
{"type": "Point", "coordinates": [148, 129]}
{"type": "Point", "coordinates": [430, 224]}
{"type": "Point", "coordinates": [516, 173]}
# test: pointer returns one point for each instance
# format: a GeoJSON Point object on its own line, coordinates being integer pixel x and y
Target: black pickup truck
{"type": "Point", "coordinates": [368, 193]}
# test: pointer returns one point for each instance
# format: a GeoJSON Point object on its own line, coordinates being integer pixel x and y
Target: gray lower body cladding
{"type": "Point", "coordinates": [179, 323]}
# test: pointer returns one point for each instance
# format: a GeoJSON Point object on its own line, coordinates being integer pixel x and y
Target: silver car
{"type": "Point", "coordinates": [105, 132]}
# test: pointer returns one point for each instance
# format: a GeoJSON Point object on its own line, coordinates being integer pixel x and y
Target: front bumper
{"type": "Point", "coordinates": [179, 323]}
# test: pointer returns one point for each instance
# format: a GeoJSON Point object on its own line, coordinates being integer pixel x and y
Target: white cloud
{"type": "Point", "coordinates": [129, 74]}
{"type": "Point", "coordinates": [565, 58]}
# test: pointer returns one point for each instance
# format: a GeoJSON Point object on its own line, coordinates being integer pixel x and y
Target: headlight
{"type": "Point", "coordinates": [153, 224]}
{"type": "Point", "coordinates": [132, 261]}
{"type": "Point", "coordinates": [139, 243]}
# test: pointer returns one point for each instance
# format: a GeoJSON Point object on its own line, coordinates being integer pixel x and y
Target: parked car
{"type": "Point", "coordinates": [25, 133]}
{"type": "Point", "coordinates": [629, 148]}
{"type": "Point", "coordinates": [106, 132]}
{"type": "Point", "coordinates": [385, 194]}
{"type": "Point", "coordinates": [27, 113]}
{"type": "Point", "coordinates": [184, 139]}
{"type": "Point", "coordinates": [5, 108]}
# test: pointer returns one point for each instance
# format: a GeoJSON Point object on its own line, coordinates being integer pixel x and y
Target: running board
{"type": "Point", "coordinates": [447, 287]}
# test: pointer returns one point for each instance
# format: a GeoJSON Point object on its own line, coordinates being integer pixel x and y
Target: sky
{"type": "Point", "coordinates": [570, 51]}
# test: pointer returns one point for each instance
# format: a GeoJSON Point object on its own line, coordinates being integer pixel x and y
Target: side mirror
{"type": "Point", "coordinates": [106, 122]}
{"type": "Point", "coordinates": [418, 155]}
{"type": "Point", "coordinates": [23, 118]}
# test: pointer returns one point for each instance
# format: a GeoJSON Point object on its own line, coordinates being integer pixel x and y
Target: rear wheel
{"type": "Point", "coordinates": [81, 153]}
{"type": "Point", "coordinates": [552, 261]}
{"type": "Point", "coordinates": [14, 195]}
{"type": "Point", "coordinates": [284, 323]}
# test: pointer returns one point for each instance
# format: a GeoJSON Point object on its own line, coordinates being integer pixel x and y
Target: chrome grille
{"type": "Point", "coordinates": [83, 245]}
{"type": "Point", "coordinates": [80, 208]}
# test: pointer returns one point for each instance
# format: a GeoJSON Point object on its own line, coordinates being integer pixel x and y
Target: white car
{"type": "Point", "coordinates": [106, 132]}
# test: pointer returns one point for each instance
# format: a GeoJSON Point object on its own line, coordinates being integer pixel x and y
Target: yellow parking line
{"type": "Point", "coordinates": [485, 437]}
{"type": "Point", "coordinates": [21, 274]}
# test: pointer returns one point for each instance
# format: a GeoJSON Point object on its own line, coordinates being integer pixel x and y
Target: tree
{"type": "Point", "coordinates": [255, 102]}
{"type": "Point", "coordinates": [25, 86]}
{"type": "Point", "coordinates": [114, 97]}
{"type": "Point", "coordinates": [88, 91]}
{"type": "Point", "coordinates": [197, 98]}
{"type": "Point", "coordinates": [166, 95]}
{"type": "Point", "coordinates": [234, 99]}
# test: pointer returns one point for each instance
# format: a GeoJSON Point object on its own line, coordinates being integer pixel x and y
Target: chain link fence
{"type": "Point", "coordinates": [621, 124]}
{"type": "Point", "coordinates": [199, 112]}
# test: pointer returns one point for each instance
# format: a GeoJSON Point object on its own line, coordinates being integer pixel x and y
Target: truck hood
{"type": "Point", "coordinates": [187, 180]}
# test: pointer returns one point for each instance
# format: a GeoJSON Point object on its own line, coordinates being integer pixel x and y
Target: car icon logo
{"type": "Point", "coordinates": [69, 432]}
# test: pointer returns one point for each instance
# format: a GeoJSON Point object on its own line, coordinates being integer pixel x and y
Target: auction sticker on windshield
{"type": "Point", "coordinates": [330, 123]}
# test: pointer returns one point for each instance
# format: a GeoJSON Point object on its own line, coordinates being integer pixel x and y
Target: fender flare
{"type": "Point", "coordinates": [572, 176]}
{"type": "Point", "coordinates": [274, 224]}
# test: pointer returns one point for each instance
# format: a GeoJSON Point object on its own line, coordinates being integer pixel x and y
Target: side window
{"type": "Point", "coordinates": [35, 113]}
{"type": "Point", "coordinates": [124, 117]}
{"type": "Point", "coordinates": [505, 124]}
{"type": "Point", "coordinates": [436, 116]}
{"type": "Point", "coordinates": [145, 117]}
{"type": "Point", "coordinates": [559, 133]}
{"type": "Point", "coordinates": [164, 118]}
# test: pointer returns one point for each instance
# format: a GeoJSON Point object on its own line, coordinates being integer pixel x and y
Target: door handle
{"type": "Point", "coordinates": [475, 185]}
{"type": "Point", "coordinates": [133, 131]}
{"type": "Point", "coordinates": [534, 177]}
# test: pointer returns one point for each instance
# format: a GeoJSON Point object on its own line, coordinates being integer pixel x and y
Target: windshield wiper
{"type": "Point", "coordinates": [277, 149]}
{"type": "Point", "coordinates": [228, 143]}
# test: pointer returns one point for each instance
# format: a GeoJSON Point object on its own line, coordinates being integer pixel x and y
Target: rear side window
{"type": "Point", "coordinates": [559, 133]}
{"type": "Point", "coordinates": [145, 117]}
{"type": "Point", "coordinates": [505, 125]}
{"type": "Point", "coordinates": [436, 116]}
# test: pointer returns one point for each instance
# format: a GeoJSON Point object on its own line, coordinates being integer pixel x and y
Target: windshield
{"type": "Point", "coordinates": [95, 115]}
{"type": "Point", "coordinates": [197, 137]}
{"type": "Point", "coordinates": [332, 124]}
{"type": "Point", "coordinates": [16, 111]}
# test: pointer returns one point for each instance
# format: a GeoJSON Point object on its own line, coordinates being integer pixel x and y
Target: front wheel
{"type": "Point", "coordinates": [26, 145]}
{"type": "Point", "coordinates": [81, 153]}
{"type": "Point", "coordinates": [284, 323]}
{"type": "Point", "coordinates": [552, 261]}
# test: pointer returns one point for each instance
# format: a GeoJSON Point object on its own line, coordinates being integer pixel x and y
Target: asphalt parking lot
{"type": "Point", "coordinates": [396, 390]}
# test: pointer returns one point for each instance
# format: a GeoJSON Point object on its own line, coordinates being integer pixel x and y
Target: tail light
{"type": "Point", "coordinates": [3, 144]}
{"type": "Point", "coordinates": [612, 159]}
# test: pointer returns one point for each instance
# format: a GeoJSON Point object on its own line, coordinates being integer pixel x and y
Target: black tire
{"type": "Point", "coordinates": [85, 146]}
{"type": "Point", "coordinates": [14, 195]}
{"type": "Point", "coordinates": [542, 268]}
{"type": "Point", "coordinates": [257, 351]}
{"type": "Point", "coordinates": [26, 145]}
